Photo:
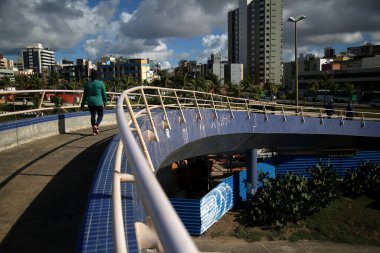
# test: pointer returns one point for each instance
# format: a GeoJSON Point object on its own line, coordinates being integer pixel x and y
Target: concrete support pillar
{"type": "Point", "coordinates": [251, 172]}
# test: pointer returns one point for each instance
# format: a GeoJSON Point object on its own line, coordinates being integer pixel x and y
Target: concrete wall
{"type": "Point", "coordinates": [20, 132]}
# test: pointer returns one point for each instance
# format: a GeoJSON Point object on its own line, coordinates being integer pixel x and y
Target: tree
{"type": "Point", "coordinates": [314, 87]}
{"type": "Point", "coordinates": [271, 88]}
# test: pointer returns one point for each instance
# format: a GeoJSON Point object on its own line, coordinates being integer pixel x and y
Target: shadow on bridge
{"type": "Point", "coordinates": [52, 221]}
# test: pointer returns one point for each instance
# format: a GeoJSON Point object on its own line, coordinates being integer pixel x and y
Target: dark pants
{"type": "Point", "coordinates": [96, 110]}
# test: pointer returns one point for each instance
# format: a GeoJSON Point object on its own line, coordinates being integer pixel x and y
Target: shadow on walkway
{"type": "Point", "coordinates": [52, 221]}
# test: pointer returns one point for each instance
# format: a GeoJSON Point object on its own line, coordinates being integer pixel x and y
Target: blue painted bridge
{"type": "Point", "coordinates": [225, 133]}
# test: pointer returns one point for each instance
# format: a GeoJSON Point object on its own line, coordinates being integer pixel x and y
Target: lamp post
{"type": "Point", "coordinates": [291, 19]}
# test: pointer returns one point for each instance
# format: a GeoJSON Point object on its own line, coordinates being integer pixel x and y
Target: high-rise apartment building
{"type": "Point", "coordinates": [259, 37]}
{"type": "Point", "coordinates": [37, 58]}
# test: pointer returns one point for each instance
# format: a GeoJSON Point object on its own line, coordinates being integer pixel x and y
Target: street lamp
{"type": "Point", "coordinates": [291, 19]}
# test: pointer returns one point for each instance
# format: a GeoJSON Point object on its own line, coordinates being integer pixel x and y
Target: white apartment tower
{"type": "Point", "coordinates": [257, 43]}
{"type": "Point", "coordinates": [37, 58]}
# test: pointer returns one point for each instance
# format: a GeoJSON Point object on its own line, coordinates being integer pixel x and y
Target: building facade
{"type": "Point", "coordinates": [38, 58]}
{"type": "Point", "coordinates": [139, 69]}
{"type": "Point", "coordinates": [260, 39]}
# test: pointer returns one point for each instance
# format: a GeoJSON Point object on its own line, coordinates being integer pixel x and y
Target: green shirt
{"type": "Point", "coordinates": [94, 93]}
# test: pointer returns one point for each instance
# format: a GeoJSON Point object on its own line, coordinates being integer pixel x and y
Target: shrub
{"type": "Point", "coordinates": [324, 186]}
{"type": "Point", "coordinates": [291, 197]}
{"type": "Point", "coordinates": [363, 181]}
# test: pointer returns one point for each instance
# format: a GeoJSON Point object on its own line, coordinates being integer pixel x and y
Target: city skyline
{"type": "Point", "coordinates": [171, 30]}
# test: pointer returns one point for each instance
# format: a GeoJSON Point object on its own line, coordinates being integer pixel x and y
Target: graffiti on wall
{"type": "Point", "coordinates": [215, 204]}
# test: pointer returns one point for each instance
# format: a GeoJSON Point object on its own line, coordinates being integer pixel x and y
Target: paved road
{"type": "Point", "coordinates": [43, 193]}
{"type": "Point", "coordinates": [43, 190]}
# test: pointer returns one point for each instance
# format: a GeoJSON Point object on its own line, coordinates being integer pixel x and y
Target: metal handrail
{"type": "Point", "coordinates": [9, 97]}
{"type": "Point", "coordinates": [171, 233]}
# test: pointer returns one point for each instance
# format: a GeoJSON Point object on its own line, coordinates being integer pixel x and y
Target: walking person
{"type": "Point", "coordinates": [349, 112]}
{"type": "Point", "coordinates": [330, 109]}
{"type": "Point", "coordinates": [96, 98]}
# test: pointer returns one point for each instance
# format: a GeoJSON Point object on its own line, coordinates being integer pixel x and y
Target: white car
{"type": "Point", "coordinates": [375, 102]}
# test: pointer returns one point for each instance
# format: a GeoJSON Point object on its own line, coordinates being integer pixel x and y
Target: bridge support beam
{"type": "Point", "coordinates": [251, 172]}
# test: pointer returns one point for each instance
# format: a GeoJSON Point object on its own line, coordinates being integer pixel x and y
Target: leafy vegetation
{"type": "Point", "coordinates": [291, 198]}
{"type": "Point", "coordinates": [321, 208]}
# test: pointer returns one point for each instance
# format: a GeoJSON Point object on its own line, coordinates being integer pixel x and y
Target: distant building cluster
{"type": "Point", "coordinates": [359, 66]}
{"type": "Point", "coordinates": [254, 50]}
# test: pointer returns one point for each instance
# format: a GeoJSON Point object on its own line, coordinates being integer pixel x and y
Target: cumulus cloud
{"type": "Point", "coordinates": [333, 22]}
{"type": "Point", "coordinates": [177, 18]}
{"type": "Point", "coordinates": [57, 24]}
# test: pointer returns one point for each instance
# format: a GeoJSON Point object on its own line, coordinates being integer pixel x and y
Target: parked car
{"type": "Point", "coordinates": [375, 102]}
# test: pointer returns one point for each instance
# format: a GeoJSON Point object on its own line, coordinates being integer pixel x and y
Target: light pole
{"type": "Point", "coordinates": [291, 19]}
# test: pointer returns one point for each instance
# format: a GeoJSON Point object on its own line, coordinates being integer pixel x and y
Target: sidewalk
{"type": "Point", "coordinates": [43, 190]}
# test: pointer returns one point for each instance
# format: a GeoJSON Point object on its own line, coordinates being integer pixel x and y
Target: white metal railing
{"type": "Point", "coordinates": [168, 232]}
{"type": "Point", "coordinates": [27, 102]}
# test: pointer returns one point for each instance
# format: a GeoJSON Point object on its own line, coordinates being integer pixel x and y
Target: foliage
{"type": "Point", "coordinates": [280, 200]}
{"type": "Point", "coordinates": [36, 101]}
{"type": "Point", "coordinates": [363, 181]}
{"type": "Point", "coordinates": [57, 101]}
{"type": "Point", "coordinates": [291, 197]}
{"type": "Point", "coordinates": [324, 186]}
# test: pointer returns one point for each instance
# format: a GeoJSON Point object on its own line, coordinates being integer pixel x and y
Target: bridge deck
{"type": "Point", "coordinates": [44, 187]}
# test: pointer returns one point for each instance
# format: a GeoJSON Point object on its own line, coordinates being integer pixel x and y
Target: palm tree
{"type": "Point", "coordinates": [271, 88]}
{"type": "Point", "coordinates": [325, 83]}
{"type": "Point", "coordinates": [314, 87]}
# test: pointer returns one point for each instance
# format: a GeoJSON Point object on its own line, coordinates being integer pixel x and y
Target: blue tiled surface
{"type": "Point", "coordinates": [96, 234]}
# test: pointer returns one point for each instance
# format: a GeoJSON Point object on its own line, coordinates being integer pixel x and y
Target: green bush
{"type": "Point", "coordinates": [324, 186]}
{"type": "Point", "coordinates": [291, 198]}
{"type": "Point", "coordinates": [363, 181]}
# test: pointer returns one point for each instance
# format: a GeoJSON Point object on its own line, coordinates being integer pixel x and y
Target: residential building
{"type": "Point", "coordinates": [38, 58]}
{"type": "Point", "coordinates": [112, 68]}
{"type": "Point", "coordinates": [259, 46]}
{"type": "Point", "coordinates": [234, 72]}
{"type": "Point", "coordinates": [5, 63]}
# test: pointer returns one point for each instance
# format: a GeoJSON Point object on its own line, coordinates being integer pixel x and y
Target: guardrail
{"type": "Point", "coordinates": [168, 232]}
{"type": "Point", "coordinates": [35, 102]}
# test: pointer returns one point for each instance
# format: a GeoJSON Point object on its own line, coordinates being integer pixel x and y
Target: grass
{"type": "Point", "coordinates": [347, 221]}
{"type": "Point", "coordinates": [351, 221]}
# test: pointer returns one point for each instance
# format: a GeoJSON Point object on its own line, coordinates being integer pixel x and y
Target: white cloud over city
{"type": "Point", "coordinates": [151, 27]}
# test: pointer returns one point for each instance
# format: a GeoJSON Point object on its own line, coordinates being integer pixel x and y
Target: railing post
{"type": "Point", "coordinates": [302, 116]}
{"type": "Point", "coordinates": [213, 106]}
{"type": "Point", "coordinates": [363, 121]}
{"type": "Point", "coordinates": [283, 113]}
{"type": "Point", "coordinates": [163, 108]}
{"type": "Point", "coordinates": [265, 113]}
{"type": "Point", "coordinates": [199, 116]}
{"type": "Point", "coordinates": [138, 131]}
{"type": "Point", "coordinates": [247, 108]}
{"type": "Point", "coordinates": [229, 107]}
{"type": "Point", "coordinates": [42, 100]}
{"type": "Point", "coordinates": [180, 108]}
{"type": "Point", "coordinates": [321, 117]}
{"type": "Point", "coordinates": [149, 115]}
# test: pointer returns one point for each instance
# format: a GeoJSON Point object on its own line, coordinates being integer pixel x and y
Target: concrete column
{"type": "Point", "coordinates": [251, 172]}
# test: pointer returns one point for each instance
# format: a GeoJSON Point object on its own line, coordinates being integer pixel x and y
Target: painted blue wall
{"type": "Point", "coordinates": [200, 214]}
{"type": "Point", "coordinates": [302, 163]}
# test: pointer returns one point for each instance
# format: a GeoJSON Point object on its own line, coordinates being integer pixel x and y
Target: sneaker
{"type": "Point", "coordinates": [95, 130]}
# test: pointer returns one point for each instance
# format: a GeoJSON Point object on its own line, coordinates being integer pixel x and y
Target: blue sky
{"type": "Point", "coordinates": [170, 30]}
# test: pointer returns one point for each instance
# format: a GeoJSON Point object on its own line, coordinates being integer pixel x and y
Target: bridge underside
{"type": "Point", "coordinates": [234, 133]}
{"type": "Point", "coordinates": [235, 143]}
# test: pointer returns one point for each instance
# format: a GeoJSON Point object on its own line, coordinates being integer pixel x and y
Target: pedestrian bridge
{"type": "Point", "coordinates": [162, 126]}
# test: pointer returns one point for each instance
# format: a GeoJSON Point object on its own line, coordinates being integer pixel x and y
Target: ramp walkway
{"type": "Point", "coordinates": [44, 187]}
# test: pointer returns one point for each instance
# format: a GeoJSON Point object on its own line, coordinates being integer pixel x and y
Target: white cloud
{"type": "Point", "coordinates": [125, 17]}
